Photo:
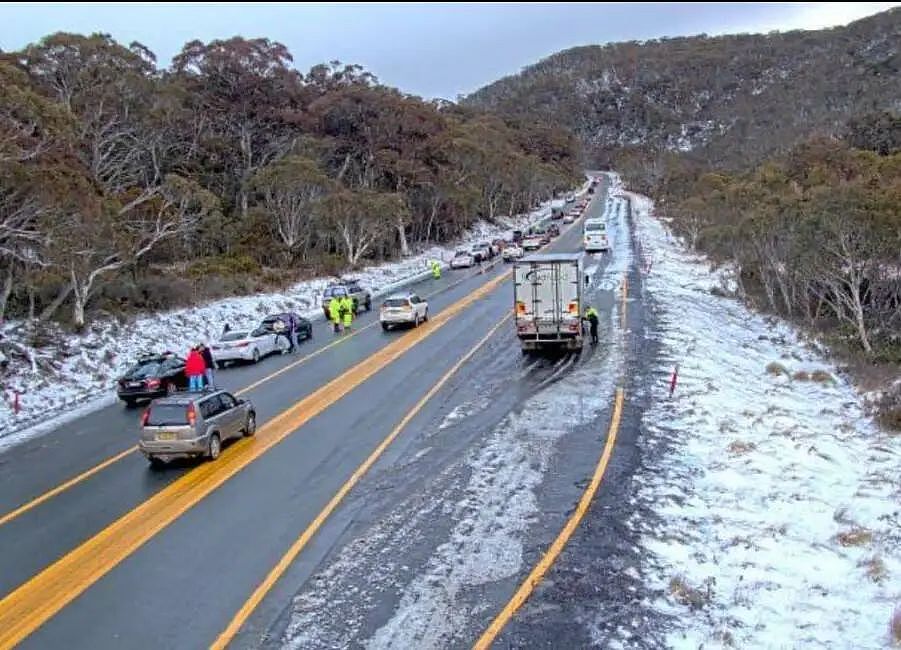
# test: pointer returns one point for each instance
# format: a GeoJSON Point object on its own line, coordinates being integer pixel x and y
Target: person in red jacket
{"type": "Point", "coordinates": [195, 367]}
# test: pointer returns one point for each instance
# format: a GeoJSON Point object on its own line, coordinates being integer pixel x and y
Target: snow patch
{"type": "Point", "coordinates": [776, 500]}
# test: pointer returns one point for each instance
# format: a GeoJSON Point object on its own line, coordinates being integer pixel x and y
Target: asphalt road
{"type": "Point", "coordinates": [182, 587]}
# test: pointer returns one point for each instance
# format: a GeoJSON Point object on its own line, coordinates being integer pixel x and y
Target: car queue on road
{"type": "Point", "coordinates": [189, 417]}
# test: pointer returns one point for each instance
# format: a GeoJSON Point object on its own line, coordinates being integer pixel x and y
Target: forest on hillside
{"type": "Point", "coordinates": [124, 186]}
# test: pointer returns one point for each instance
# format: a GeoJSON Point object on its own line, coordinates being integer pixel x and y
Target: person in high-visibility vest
{"type": "Point", "coordinates": [591, 315]}
{"type": "Point", "coordinates": [347, 311]}
{"type": "Point", "coordinates": [436, 269]}
{"type": "Point", "coordinates": [334, 313]}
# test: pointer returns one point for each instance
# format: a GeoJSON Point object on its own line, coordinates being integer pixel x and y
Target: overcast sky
{"type": "Point", "coordinates": [429, 49]}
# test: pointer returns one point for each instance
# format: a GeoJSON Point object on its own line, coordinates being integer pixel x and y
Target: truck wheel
{"type": "Point", "coordinates": [155, 463]}
{"type": "Point", "coordinates": [368, 304]}
{"type": "Point", "coordinates": [250, 427]}
{"type": "Point", "coordinates": [416, 320]}
{"type": "Point", "coordinates": [385, 326]}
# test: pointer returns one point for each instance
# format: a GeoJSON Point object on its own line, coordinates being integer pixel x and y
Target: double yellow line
{"type": "Point", "coordinates": [36, 601]}
{"type": "Point", "coordinates": [96, 469]}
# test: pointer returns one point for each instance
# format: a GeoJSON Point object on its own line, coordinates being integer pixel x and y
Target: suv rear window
{"type": "Point", "coordinates": [334, 291]}
{"type": "Point", "coordinates": [168, 415]}
{"type": "Point", "coordinates": [594, 227]}
{"type": "Point", "coordinates": [397, 302]}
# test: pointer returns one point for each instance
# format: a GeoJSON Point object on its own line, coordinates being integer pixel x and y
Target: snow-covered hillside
{"type": "Point", "coordinates": [777, 501]}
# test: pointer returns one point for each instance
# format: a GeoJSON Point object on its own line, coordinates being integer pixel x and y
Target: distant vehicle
{"type": "Point", "coordinates": [570, 198]}
{"type": "Point", "coordinates": [558, 207]}
{"type": "Point", "coordinates": [542, 233]}
{"type": "Point", "coordinates": [480, 252]}
{"type": "Point", "coordinates": [462, 259]}
{"type": "Point", "coordinates": [493, 250]}
{"type": "Point", "coordinates": [595, 235]}
{"type": "Point", "coordinates": [403, 309]}
{"type": "Point", "coordinates": [194, 425]}
{"type": "Point", "coordinates": [533, 242]}
{"type": "Point", "coordinates": [512, 252]}
{"type": "Point", "coordinates": [246, 346]}
{"type": "Point", "coordinates": [303, 329]}
{"type": "Point", "coordinates": [517, 236]}
{"type": "Point", "coordinates": [360, 296]}
{"type": "Point", "coordinates": [547, 296]}
{"type": "Point", "coordinates": [569, 218]}
{"type": "Point", "coordinates": [553, 230]}
{"type": "Point", "coordinates": [152, 376]}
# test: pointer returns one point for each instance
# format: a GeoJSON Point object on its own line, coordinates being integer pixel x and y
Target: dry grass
{"type": "Point", "coordinates": [822, 377]}
{"type": "Point", "coordinates": [775, 368]}
{"type": "Point", "coordinates": [801, 375]}
{"type": "Point", "coordinates": [854, 537]}
{"type": "Point", "coordinates": [875, 567]}
{"type": "Point", "coordinates": [685, 594]}
{"type": "Point", "coordinates": [738, 447]}
{"type": "Point", "coordinates": [895, 626]}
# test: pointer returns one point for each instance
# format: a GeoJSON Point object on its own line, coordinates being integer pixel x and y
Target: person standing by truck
{"type": "Point", "coordinates": [591, 315]}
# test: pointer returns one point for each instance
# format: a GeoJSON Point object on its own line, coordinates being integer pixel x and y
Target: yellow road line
{"type": "Point", "coordinates": [279, 569]}
{"type": "Point", "coordinates": [34, 602]}
{"type": "Point", "coordinates": [75, 480]}
{"type": "Point", "coordinates": [538, 572]}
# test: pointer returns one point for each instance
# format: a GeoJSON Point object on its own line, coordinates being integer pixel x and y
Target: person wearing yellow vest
{"type": "Point", "coordinates": [347, 311]}
{"type": "Point", "coordinates": [591, 315]}
{"type": "Point", "coordinates": [334, 313]}
{"type": "Point", "coordinates": [436, 269]}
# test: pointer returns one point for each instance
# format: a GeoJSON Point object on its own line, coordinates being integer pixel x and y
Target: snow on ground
{"type": "Point", "coordinates": [776, 500]}
{"type": "Point", "coordinates": [84, 378]}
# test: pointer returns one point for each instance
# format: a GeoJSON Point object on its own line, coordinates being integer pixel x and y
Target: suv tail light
{"type": "Point", "coordinates": [192, 415]}
{"type": "Point", "coordinates": [145, 417]}
{"type": "Point", "coordinates": [520, 307]}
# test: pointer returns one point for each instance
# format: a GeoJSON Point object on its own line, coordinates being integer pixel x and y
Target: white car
{"type": "Point", "coordinates": [595, 236]}
{"type": "Point", "coordinates": [570, 198]}
{"type": "Point", "coordinates": [512, 252]}
{"type": "Point", "coordinates": [568, 218]}
{"type": "Point", "coordinates": [403, 309]}
{"type": "Point", "coordinates": [532, 243]}
{"type": "Point", "coordinates": [246, 346]}
{"type": "Point", "coordinates": [462, 260]}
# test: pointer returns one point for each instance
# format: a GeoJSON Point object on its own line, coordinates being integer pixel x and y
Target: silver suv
{"type": "Point", "coordinates": [360, 296]}
{"type": "Point", "coordinates": [193, 425]}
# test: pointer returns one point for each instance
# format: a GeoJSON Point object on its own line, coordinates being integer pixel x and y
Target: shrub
{"type": "Point", "coordinates": [224, 265]}
{"type": "Point", "coordinates": [822, 377]}
{"type": "Point", "coordinates": [854, 537]}
{"type": "Point", "coordinates": [801, 375]}
{"type": "Point", "coordinates": [775, 368]}
{"type": "Point", "coordinates": [694, 597]}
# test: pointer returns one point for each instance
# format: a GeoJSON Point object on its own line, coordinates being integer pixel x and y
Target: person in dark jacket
{"type": "Point", "coordinates": [195, 368]}
{"type": "Point", "coordinates": [591, 315]}
{"type": "Point", "coordinates": [207, 355]}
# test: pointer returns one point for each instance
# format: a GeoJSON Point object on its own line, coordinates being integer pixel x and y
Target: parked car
{"type": "Point", "coordinates": [493, 250]}
{"type": "Point", "coordinates": [194, 425]}
{"type": "Point", "coordinates": [361, 297]}
{"type": "Point", "coordinates": [553, 230]}
{"type": "Point", "coordinates": [152, 376]}
{"type": "Point", "coordinates": [481, 252]}
{"type": "Point", "coordinates": [533, 242]}
{"type": "Point", "coordinates": [303, 329]}
{"type": "Point", "coordinates": [512, 252]}
{"type": "Point", "coordinates": [463, 259]}
{"type": "Point", "coordinates": [569, 218]}
{"type": "Point", "coordinates": [247, 346]}
{"type": "Point", "coordinates": [403, 309]}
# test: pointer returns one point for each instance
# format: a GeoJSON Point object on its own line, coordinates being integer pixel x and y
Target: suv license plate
{"type": "Point", "coordinates": [166, 435]}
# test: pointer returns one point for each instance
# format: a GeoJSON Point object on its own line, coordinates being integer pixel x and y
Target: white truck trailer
{"type": "Point", "coordinates": [547, 295]}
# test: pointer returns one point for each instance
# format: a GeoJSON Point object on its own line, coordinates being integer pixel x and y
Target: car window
{"type": "Point", "coordinates": [210, 407]}
{"type": "Point", "coordinates": [170, 365]}
{"type": "Point", "coordinates": [167, 415]}
{"type": "Point", "coordinates": [228, 402]}
{"type": "Point", "coordinates": [236, 336]}
{"type": "Point", "coordinates": [260, 331]}
{"type": "Point", "coordinates": [396, 302]}
{"type": "Point", "coordinates": [144, 370]}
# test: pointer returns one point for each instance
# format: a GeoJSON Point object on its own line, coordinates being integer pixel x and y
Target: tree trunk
{"type": "Point", "coordinates": [858, 319]}
{"type": "Point", "coordinates": [5, 292]}
{"type": "Point", "coordinates": [50, 309]}
{"type": "Point", "coordinates": [78, 310]}
{"type": "Point", "coordinates": [402, 235]}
